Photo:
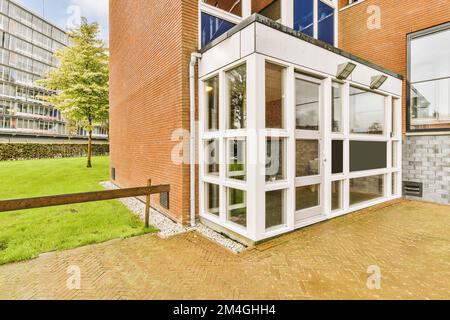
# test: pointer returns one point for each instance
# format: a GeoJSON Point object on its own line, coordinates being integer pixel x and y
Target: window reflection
{"type": "Point", "coordinates": [429, 103]}
{"type": "Point", "coordinates": [307, 105]}
{"type": "Point", "coordinates": [213, 27]}
{"type": "Point", "coordinates": [367, 112]}
{"type": "Point", "coordinates": [326, 23]}
{"type": "Point", "coordinates": [237, 97]}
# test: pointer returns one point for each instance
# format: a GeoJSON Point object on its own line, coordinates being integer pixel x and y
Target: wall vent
{"type": "Point", "coordinates": [113, 173]}
{"type": "Point", "coordinates": [413, 189]}
{"type": "Point", "coordinates": [164, 200]}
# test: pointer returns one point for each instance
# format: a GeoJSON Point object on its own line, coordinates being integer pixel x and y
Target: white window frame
{"type": "Point", "coordinates": [255, 184]}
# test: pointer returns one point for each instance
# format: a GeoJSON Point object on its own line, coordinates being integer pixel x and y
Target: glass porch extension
{"type": "Point", "coordinates": [285, 142]}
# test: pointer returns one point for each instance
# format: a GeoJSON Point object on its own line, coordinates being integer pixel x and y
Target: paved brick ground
{"type": "Point", "coordinates": [409, 241]}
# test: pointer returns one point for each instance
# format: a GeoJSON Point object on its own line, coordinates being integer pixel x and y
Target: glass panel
{"type": "Point", "coordinates": [394, 154]}
{"type": "Point", "coordinates": [212, 160]}
{"type": "Point", "coordinates": [275, 209]}
{"type": "Point", "coordinates": [213, 199]}
{"type": "Point", "coordinates": [304, 16]}
{"type": "Point", "coordinates": [307, 105]}
{"type": "Point", "coordinates": [267, 8]}
{"type": "Point", "coordinates": [274, 96]}
{"type": "Point", "coordinates": [275, 161]}
{"type": "Point", "coordinates": [326, 23]}
{"type": "Point", "coordinates": [366, 189]}
{"type": "Point", "coordinates": [308, 158]}
{"type": "Point", "coordinates": [336, 195]}
{"type": "Point", "coordinates": [307, 197]}
{"type": "Point", "coordinates": [237, 159]}
{"type": "Point", "coordinates": [213, 27]}
{"type": "Point", "coordinates": [336, 112]}
{"type": "Point", "coordinates": [237, 207]}
{"type": "Point", "coordinates": [367, 155]}
{"type": "Point", "coordinates": [230, 6]}
{"type": "Point", "coordinates": [430, 56]}
{"type": "Point", "coordinates": [430, 105]}
{"type": "Point", "coordinates": [394, 184]}
{"type": "Point", "coordinates": [367, 112]}
{"type": "Point", "coordinates": [237, 97]}
{"type": "Point", "coordinates": [394, 125]}
{"type": "Point", "coordinates": [212, 103]}
{"type": "Point", "coordinates": [337, 156]}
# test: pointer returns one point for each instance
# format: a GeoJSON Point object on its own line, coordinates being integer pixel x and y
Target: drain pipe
{"type": "Point", "coordinates": [195, 56]}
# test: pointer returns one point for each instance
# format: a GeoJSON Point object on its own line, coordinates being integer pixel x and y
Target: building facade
{"type": "Point", "coordinates": [28, 43]}
{"type": "Point", "coordinates": [291, 130]}
{"type": "Point", "coordinates": [412, 39]}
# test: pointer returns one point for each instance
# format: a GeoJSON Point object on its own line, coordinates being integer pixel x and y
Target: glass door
{"type": "Point", "coordinates": [309, 155]}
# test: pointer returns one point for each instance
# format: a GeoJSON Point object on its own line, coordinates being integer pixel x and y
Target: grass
{"type": "Point", "coordinates": [26, 234]}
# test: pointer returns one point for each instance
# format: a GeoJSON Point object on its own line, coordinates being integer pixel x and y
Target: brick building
{"type": "Point", "coordinates": [411, 38]}
{"type": "Point", "coordinates": [294, 124]}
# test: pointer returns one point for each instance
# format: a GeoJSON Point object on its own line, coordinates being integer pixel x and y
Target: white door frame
{"type": "Point", "coordinates": [314, 214]}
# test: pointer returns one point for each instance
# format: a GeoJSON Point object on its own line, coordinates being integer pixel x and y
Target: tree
{"type": "Point", "coordinates": [81, 80]}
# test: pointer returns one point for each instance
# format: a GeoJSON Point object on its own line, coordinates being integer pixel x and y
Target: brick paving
{"type": "Point", "coordinates": [409, 241]}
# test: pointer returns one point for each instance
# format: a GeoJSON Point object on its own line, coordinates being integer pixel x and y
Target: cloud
{"type": "Point", "coordinates": [92, 8]}
{"type": "Point", "coordinates": [95, 10]}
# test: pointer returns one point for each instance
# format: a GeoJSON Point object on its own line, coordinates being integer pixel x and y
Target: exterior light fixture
{"type": "Point", "coordinates": [209, 89]}
{"type": "Point", "coordinates": [377, 81]}
{"type": "Point", "coordinates": [345, 70]}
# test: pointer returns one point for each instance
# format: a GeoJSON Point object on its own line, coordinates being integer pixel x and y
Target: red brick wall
{"type": "Point", "coordinates": [150, 45]}
{"type": "Point", "coordinates": [387, 46]}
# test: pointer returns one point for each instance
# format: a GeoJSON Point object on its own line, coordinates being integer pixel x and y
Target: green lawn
{"type": "Point", "coordinates": [26, 234]}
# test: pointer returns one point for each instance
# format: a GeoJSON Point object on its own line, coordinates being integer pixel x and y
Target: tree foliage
{"type": "Point", "coordinates": [81, 80]}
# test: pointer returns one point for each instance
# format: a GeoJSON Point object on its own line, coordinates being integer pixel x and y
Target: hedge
{"type": "Point", "coordinates": [28, 151]}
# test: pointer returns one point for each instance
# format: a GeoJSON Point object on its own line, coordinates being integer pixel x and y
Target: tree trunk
{"type": "Point", "coordinates": [89, 161]}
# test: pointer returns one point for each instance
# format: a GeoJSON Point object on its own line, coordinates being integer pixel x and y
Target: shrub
{"type": "Point", "coordinates": [28, 151]}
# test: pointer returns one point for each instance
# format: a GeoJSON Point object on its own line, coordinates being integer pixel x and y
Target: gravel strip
{"type": "Point", "coordinates": [169, 228]}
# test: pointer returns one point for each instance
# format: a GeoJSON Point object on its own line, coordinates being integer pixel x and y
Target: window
{"type": "Point", "coordinates": [308, 158]}
{"type": "Point", "coordinates": [319, 25]}
{"type": "Point", "coordinates": [367, 155]}
{"type": "Point", "coordinates": [237, 206]}
{"type": "Point", "coordinates": [336, 111]}
{"type": "Point", "coordinates": [212, 103]}
{"type": "Point", "coordinates": [337, 156]}
{"type": "Point", "coordinates": [336, 196]}
{"type": "Point", "coordinates": [366, 189]}
{"type": "Point", "coordinates": [275, 161]}
{"type": "Point", "coordinates": [394, 184]}
{"type": "Point", "coordinates": [237, 97]}
{"type": "Point", "coordinates": [275, 209]}
{"type": "Point", "coordinates": [269, 9]}
{"type": "Point", "coordinates": [213, 27]}
{"type": "Point", "coordinates": [429, 78]}
{"type": "Point", "coordinates": [274, 96]}
{"type": "Point", "coordinates": [213, 199]}
{"type": "Point", "coordinates": [237, 154]}
{"type": "Point", "coordinates": [395, 155]}
{"type": "Point", "coordinates": [304, 16]}
{"type": "Point", "coordinates": [326, 23]}
{"type": "Point", "coordinates": [212, 157]}
{"type": "Point", "coordinates": [307, 105]}
{"type": "Point", "coordinates": [307, 197]}
{"type": "Point", "coordinates": [367, 112]}
{"type": "Point", "coordinates": [230, 6]}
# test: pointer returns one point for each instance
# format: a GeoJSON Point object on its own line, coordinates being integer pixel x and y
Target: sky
{"type": "Point", "coordinates": [64, 13]}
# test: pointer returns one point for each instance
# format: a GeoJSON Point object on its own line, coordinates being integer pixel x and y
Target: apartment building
{"type": "Point", "coordinates": [411, 38]}
{"type": "Point", "coordinates": [28, 43]}
{"type": "Point", "coordinates": [290, 130]}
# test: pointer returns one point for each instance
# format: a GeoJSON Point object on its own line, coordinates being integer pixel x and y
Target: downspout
{"type": "Point", "coordinates": [195, 56]}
